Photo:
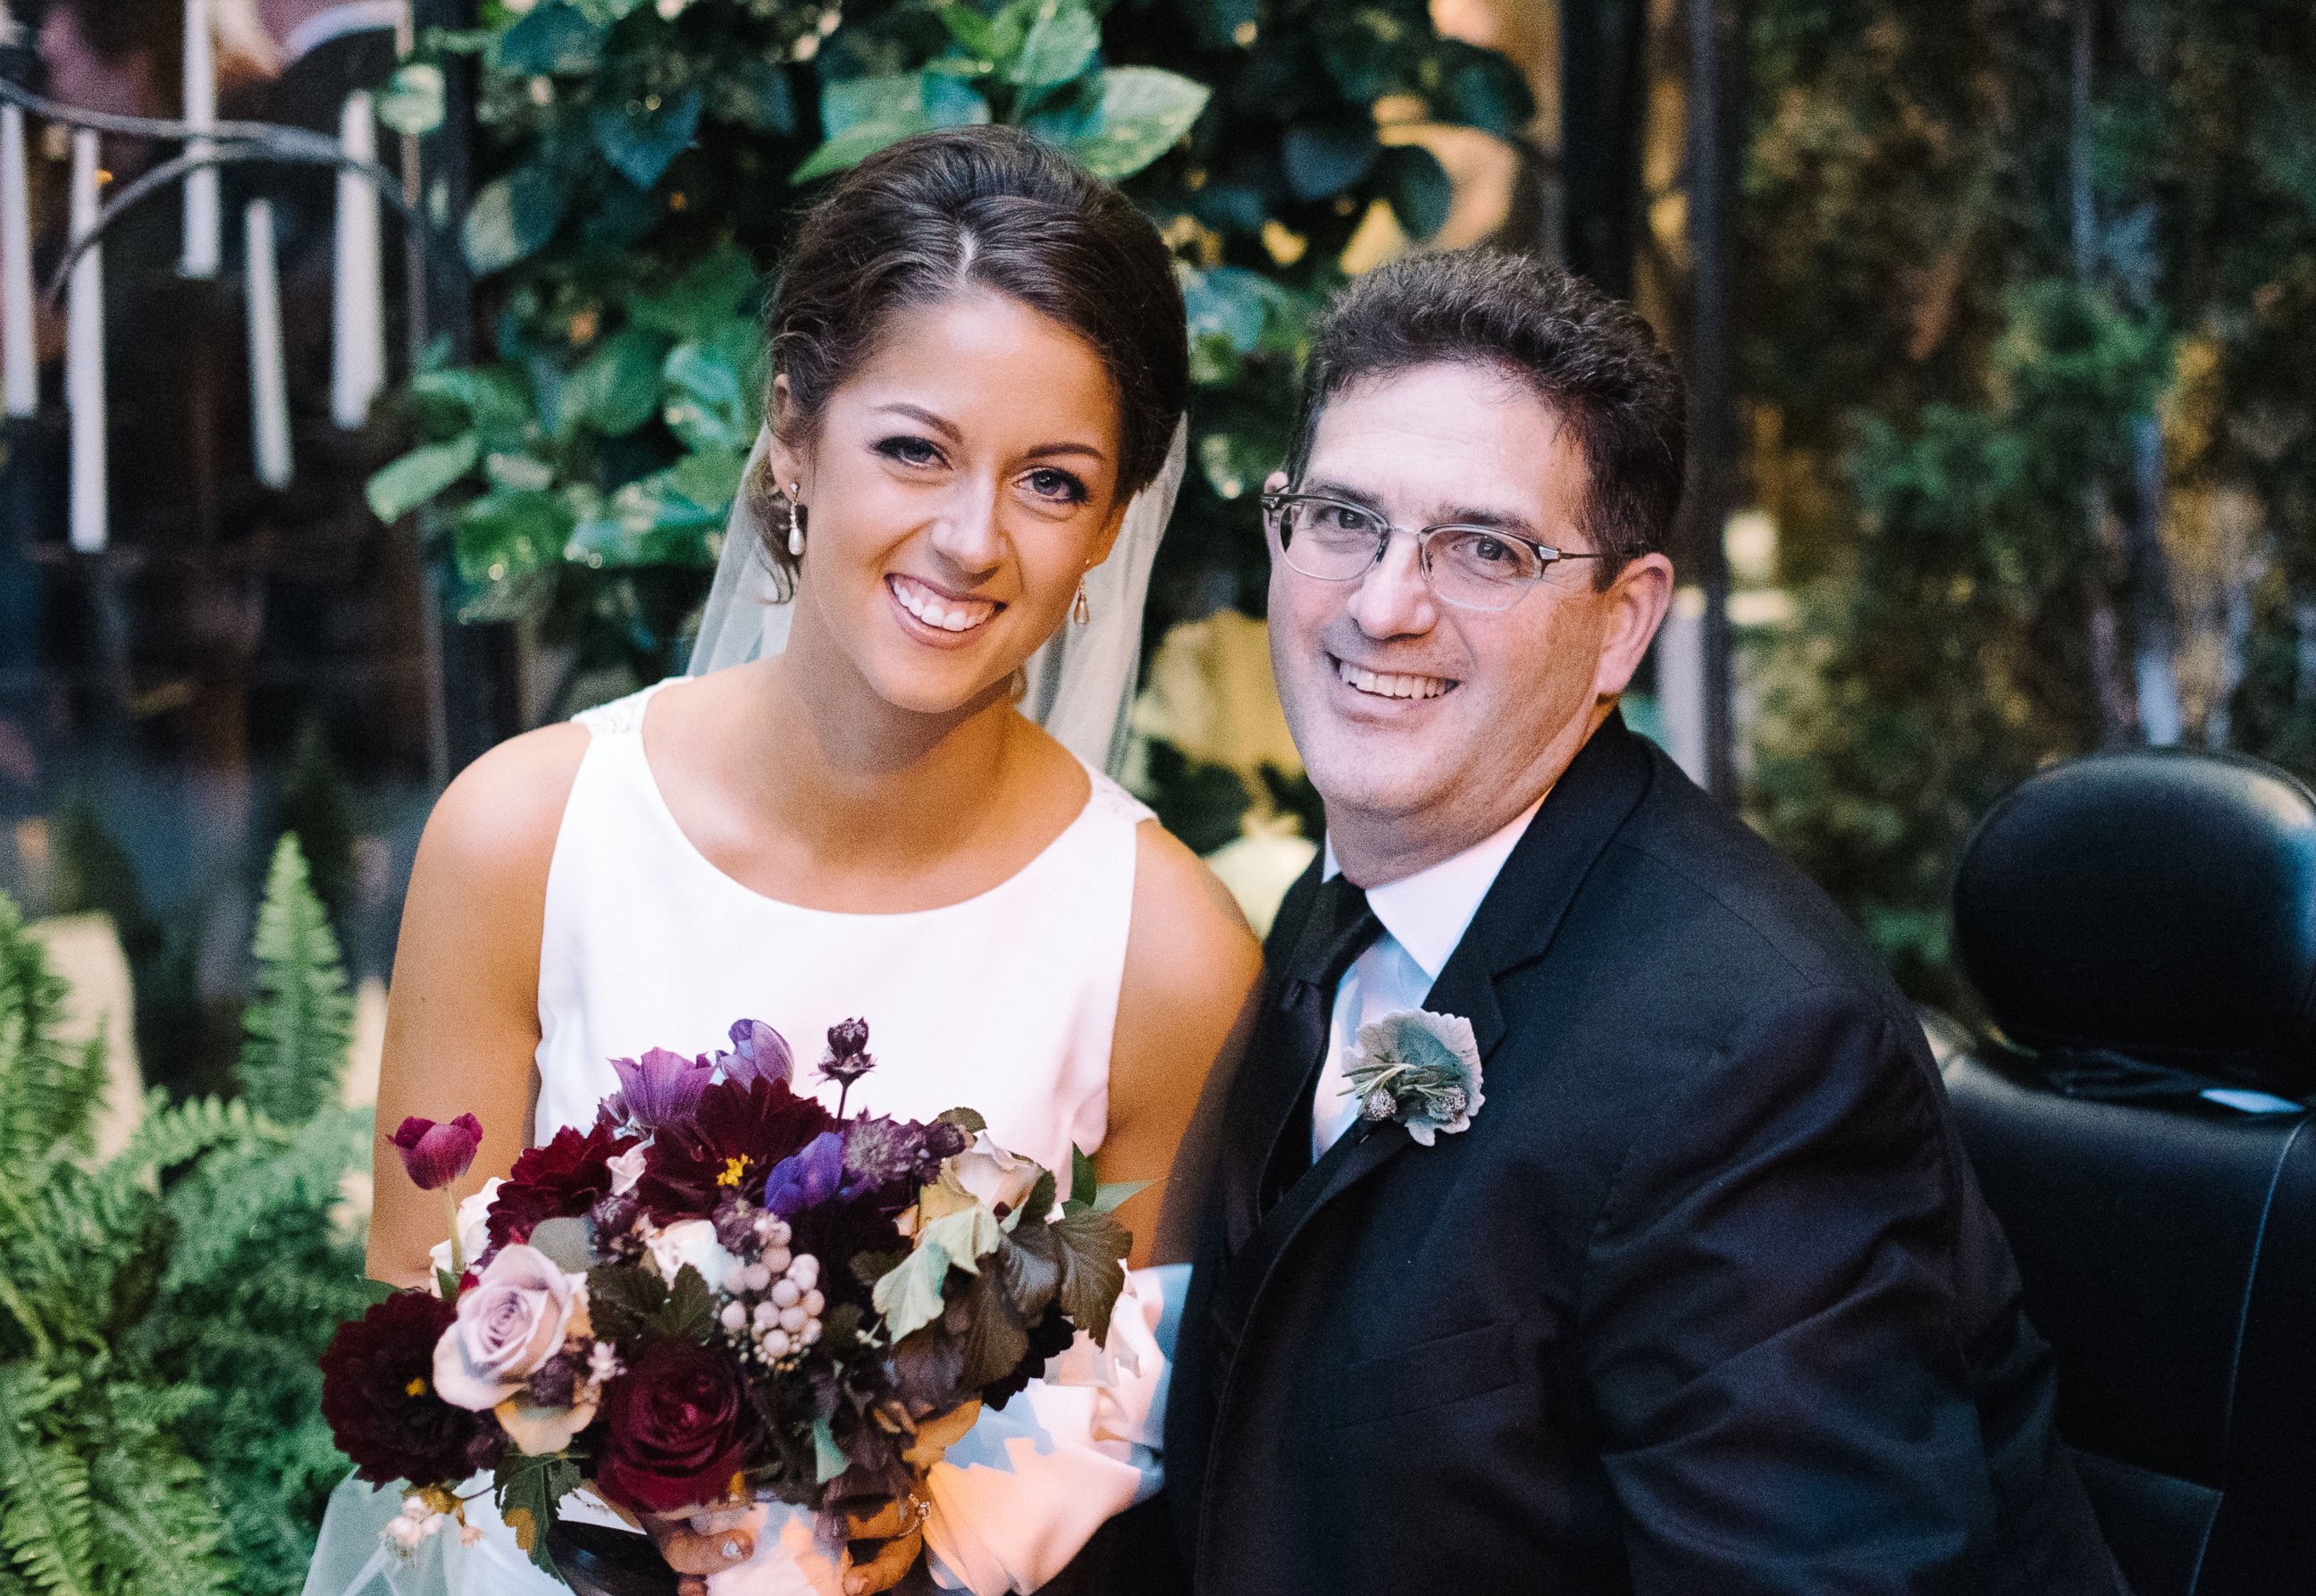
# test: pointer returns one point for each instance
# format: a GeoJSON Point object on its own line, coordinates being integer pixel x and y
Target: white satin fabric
{"type": "Point", "coordinates": [1005, 1002]}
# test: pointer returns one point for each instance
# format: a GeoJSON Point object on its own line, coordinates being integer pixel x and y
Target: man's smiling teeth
{"type": "Point", "coordinates": [949, 615]}
{"type": "Point", "coordinates": [1389, 685]}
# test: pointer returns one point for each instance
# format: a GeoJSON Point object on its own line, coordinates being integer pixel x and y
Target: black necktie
{"type": "Point", "coordinates": [1340, 927]}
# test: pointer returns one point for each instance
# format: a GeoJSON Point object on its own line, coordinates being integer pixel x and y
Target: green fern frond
{"type": "Point", "coordinates": [44, 1506]}
{"type": "Point", "coordinates": [302, 1019]}
{"type": "Point", "coordinates": [172, 1134]}
{"type": "Point", "coordinates": [49, 1091]}
{"type": "Point", "coordinates": [234, 1194]}
{"type": "Point", "coordinates": [155, 1527]}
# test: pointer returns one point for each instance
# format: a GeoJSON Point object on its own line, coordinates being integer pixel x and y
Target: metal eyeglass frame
{"type": "Point", "coordinates": [1273, 505]}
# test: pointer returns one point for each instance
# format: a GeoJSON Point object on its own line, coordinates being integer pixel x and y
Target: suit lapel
{"type": "Point", "coordinates": [1515, 926]}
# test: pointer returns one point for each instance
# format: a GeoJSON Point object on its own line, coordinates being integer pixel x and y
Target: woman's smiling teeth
{"type": "Point", "coordinates": [938, 610]}
{"type": "Point", "coordinates": [1385, 684]}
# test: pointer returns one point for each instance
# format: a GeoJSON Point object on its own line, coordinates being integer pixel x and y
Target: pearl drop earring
{"type": "Point", "coordinates": [796, 522]}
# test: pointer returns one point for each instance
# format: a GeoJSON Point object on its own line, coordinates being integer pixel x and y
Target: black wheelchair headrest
{"type": "Point", "coordinates": [2160, 906]}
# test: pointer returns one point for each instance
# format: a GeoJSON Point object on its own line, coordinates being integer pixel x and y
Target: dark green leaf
{"type": "Point", "coordinates": [1144, 110]}
{"type": "Point", "coordinates": [526, 1490]}
{"type": "Point", "coordinates": [757, 96]}
{"type": "Point", "coordinates": [1083, 1180]}
{"type": "Point", "coordinates": [689, 1312]}
{"type": "Point", "coordinates": [967, 1120]}
{"type": "Point", "coordinates": [708, 478]}
{"type": "Point", "coordinates": [494, 399]}
{"type": "Point", "coordinates": [869, 1268]}
{"type": "Point", "coordinates": [1040, 1200]}
{"type": "Point", "coordinates": [509, 532]}
{"type": "Point", "coordinates": [702, 300]}
{"type": "Point", "coordinates": [1486, 91]}
{"type": "Point", "coordinates": [1114, 1192]}
{"type": "Point", "coordinates": [1092, 1276]}
{"type": "Point", "coordinates": [446, 1284]}
{"type": "Point", "coordinates": [1324, 157]}
{"type": "Point", "coordinates": [707, 391]}
{"type": "Point", "coordinates": [640, 143]}
{"type": "Point", "coordinates": [1028, 1270]}
{"type": "Point", "coordinates": [555, 36]}
{"type": "Point", "coordinates": [1229, 300]}
{"type": "Point", "coordinates": [618, 389]}
{"type": "Point", "coordinates": [993, 1338]}
{"type": "Point", "coordinates": [1061, 44]}
{"type": "Point", "coordinates": [622, 1300]}
{"type": "Point", "coordinates": [512, 218]}
{"type": "Point", "coordinates": [417, 477]}
{"type": "Point", "coordinates": [1419, 189]}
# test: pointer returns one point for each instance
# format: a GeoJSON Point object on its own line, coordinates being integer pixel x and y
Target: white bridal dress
{"type": "Point", "coordinates": [1005, 1002]}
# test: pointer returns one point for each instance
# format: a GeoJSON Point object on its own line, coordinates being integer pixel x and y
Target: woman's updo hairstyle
{"type": "Point", "coordinates": [934, 215]}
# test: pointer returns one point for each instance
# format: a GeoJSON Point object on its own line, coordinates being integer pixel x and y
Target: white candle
{"type": "Point", "coordinates": [201, 217]}
{"type": "Point", "coordinates": [20, 372]}
{"type": "Point", "coordinates": [269, 391]}
{"type": "Point", "coordinates": [84, 356]}
{"type": "Point", "coordinates": [358, 348]}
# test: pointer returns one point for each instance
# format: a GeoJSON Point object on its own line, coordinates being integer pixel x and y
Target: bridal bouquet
{"type": "Point", "coordinates": [716, 1293]}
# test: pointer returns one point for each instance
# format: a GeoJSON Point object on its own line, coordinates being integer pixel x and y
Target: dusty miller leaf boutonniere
{"type": "Point", "coordinates": [1420, 1069]}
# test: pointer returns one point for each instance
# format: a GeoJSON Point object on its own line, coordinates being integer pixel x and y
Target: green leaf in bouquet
{"type": "Point", "coordinates": [512, 218]}
{"type": "Point", "coordinates": [967, 1235]}
{"type": "Point", "coordinates": [1061, 44]}
{"type": "Point", "coordinates": [528, 1490]}
{"type": "Point", "coordinates": [967, 1120]}
{"type": "Point", "coordinates": [1083, 1180]}
{"type": "Point", "coordinates": [411, 103]}
{"type": "Point", "coordinates": [1144, 110]}
{"type": "Point", "coordinates": [1093, 1245]}
{"type": "Point", "coordinates": [828, 1459]}
{"type": "Point", "coordinates": [1038, 1204]}
{"type": "Point", "coordinates": [509, 532]}
{"type": "Point", "coordinates": [622, 1301]}
{"type": "Point", "coordinates": [1112, 1195]}
{"type": "Point", "coordinates": [869, 1268]}
{"type": "Point", "coordinates": [552, 37]}
{"type": "Point", "coordinates": [401, 487]}
{"type": "Point", "coordinates": [1028, 1270]}
{"type": "Point", "coordinates": [909, 1298]}
{"type": "Point", "coordinates": [617, 389]}
{"type": "Point", "coordinates": [569, 1241]}
{"type": "Point", "coordinates": [446, 1284]}
{"type": "Point", "coordinates": [995, 1338]}
{"type": "Point", "coordinates": [642, 139]}
{"type": "Point", "coordinates": [688, 1314]}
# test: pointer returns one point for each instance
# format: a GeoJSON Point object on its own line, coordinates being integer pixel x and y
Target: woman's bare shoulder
{"type": "Point", "coordinates": [494, 825]}
{"type": "Point", "coordinates": [1190, 950]}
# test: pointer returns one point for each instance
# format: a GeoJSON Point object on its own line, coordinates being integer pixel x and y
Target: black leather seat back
{"type": "Point", "coordinates": [2160, 908]}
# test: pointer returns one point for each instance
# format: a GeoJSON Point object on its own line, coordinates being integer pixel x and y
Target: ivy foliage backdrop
{"type": "Point", "coordinates": [643, 164]}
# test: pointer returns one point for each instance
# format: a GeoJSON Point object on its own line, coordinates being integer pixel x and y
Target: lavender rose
{"type": "Point", "coordinates": [514, 1321]}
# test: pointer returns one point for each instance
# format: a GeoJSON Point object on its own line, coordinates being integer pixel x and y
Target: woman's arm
{"type": "Point", "coordinates": [462, 1020]}
{"type": "Point", "coordinates": [1186, 1007]}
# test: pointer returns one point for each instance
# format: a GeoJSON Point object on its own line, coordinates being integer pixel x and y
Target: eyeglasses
{"type": "Point", "coordinates": [1468, 566]}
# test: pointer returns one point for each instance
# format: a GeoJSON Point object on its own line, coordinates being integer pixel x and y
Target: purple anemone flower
{"type": "Point", "coordinates": [663, 1088]}
{"type": "Point", "coordinates": [759, 1053]}
{"type": "Point", "coordinates": [807, 1179]}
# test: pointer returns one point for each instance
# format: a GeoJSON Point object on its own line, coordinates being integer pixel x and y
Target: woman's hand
{"type": "Point", "coordinates": [702, 1542]}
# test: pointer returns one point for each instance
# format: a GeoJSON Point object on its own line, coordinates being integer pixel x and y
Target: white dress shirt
{"type": "Point", "coordinates": [1424, 916]}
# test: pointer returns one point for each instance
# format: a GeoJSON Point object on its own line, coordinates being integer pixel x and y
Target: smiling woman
{"type": "Point", "coordinates": [979, 357]}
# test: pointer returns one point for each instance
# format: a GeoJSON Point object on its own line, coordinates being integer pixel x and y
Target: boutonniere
{"type": "Point", "coordinates": [1420, 1069]}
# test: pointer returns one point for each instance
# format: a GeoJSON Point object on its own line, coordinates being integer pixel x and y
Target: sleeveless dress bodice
{"type": "Point", "coordinates": [1006, 1000]}
{"type": "Point", "coordinates": [1005, 1003]}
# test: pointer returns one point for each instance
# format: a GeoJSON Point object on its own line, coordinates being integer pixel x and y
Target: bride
{"type": "Point", "coordinates": [980, 363]}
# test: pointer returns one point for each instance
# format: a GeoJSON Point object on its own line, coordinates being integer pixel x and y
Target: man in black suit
{"type": "Point", "coordinates": [1703, 1298]}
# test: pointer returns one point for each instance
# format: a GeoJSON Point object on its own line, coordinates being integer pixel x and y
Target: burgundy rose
{"type": "Point", "coordinates": [437, 1155]}
{"type": "Point", "coordinates": [564, 1178]}
{"type": "Point", "coordinates": [377, 1395]}
{"type": "Point", "coordinates": [674, 1429]}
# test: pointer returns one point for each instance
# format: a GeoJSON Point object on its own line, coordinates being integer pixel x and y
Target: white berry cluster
{"type": "Point", "coordinates": [419, 1520]}
{"type": "Point", "coordinates": [775, 1307]}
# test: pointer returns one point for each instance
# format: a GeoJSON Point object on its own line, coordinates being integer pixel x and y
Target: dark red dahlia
{"type": "Point", "coordinates": [377, 1395]}
{"type": "Point", "coordinates": [564, 1178]}
{"type": "Point", "coordinates": [741, 1130]}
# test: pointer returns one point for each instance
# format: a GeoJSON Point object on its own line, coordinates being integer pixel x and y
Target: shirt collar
{"type": "Point", "coordinates": [1428, 912]}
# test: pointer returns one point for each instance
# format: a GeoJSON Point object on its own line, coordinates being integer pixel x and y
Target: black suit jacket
{"type": "Point", "coordinates": [1706, 1301]}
